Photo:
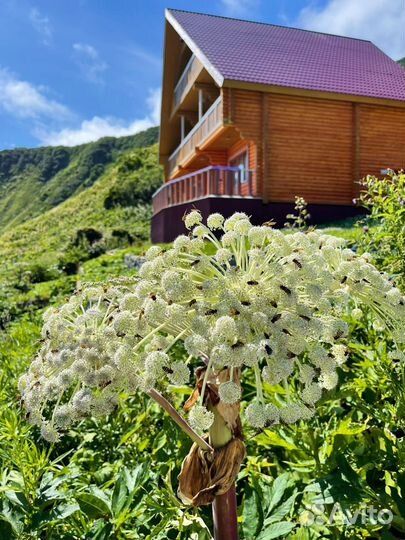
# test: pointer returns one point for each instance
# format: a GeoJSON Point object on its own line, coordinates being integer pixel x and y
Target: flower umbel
{"type": "Point", "coordinates": [262, 300]}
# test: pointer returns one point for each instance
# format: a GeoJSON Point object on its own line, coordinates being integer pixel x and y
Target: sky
{"type": "Point", "coordinates": [72, 71]}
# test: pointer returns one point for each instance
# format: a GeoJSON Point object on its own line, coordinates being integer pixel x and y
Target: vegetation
{"type": "Point", "coordinates": [119, 480]}
{"type": "Point", "coordinates": [384, 228]}
{"type": "Point", "coordinates": [35, 180]}
{"type": "Point", "coordinates": [54, 244]}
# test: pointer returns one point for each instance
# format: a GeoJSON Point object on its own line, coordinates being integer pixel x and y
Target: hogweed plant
{"type": "Point", "coordinates": [239, 298]}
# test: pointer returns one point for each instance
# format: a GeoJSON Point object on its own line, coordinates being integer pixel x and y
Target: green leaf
{"type": "Point", "coordinates": [270, 438]}
{"type": "Point", "coordinates": [18, 498]}
{"type": "Point", "coordinates": [275, 492]}
{"type": "Point", "coordinates": [276, 530]}
{"type": "Point", "coordinates": [347, 427]}
{"type": "Point", "coordinates": [282, 510]}
{"type": "Point", "coordinates": [120, 494]}
{"type": "Point", "coordinates": [64, 511]}
{"type": "Point", "coordinates": [252, 515]}
{"type": "Point", "coordinates": [100, 531]}
{"type": "Point", "coordinates": [92, 505]}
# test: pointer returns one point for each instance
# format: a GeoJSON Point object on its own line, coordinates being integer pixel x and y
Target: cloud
{"type": "Point", "coordinates": [97, 127]}
{"type": "Point", "coordinates": [146, 57]}
{"type": "Point", "coordinates": [22, 99]}
{"type": "Point", "coordinates": [379, 21]}
{"type": "Point", "coordinates": [89, 61]}
{"type": "Point", "coordinates": [41, 24]}
{"type": "Point", "coordinates": [240, 7]}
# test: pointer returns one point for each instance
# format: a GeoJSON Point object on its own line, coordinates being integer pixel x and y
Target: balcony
{"type": "Point", "coordinates": [208, 124]}
{"type": "Point", "coordinates": [187, 78]}
{"type": "Point", "coordinates": [208, 182]}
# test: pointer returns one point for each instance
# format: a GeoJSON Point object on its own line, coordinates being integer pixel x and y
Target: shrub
{"type": "Point", "coordinates": [384, 230]}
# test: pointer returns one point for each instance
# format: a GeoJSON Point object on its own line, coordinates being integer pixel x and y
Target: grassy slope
{"type": "Point", "coordinates": [51, 230]}
{"type": "Point", "coordinates": [45, 241]}
{"type": "Point", "coordinates": [35, 180]}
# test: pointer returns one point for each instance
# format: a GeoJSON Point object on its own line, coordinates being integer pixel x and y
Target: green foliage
{"type": "Point", "coordinates": [35, 180]}
{"type": "Point", "coordinates": [137, 181]}
{"type": "Point", "coordinates": [384, 231]}
{"type": "Point", "coordinates": [81, 228]}
{"type": "Point", "coordinates": [116, 478]}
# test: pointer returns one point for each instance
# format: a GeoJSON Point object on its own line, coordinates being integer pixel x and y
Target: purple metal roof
{"type": "Point", "coordinates": [276, 55]}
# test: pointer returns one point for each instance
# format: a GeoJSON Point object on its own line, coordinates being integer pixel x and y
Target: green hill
{"type": "Point", "coordinates": [402, 62]}
{"type": "Point", "coordinates": [44, 255]}
{"type": "Point", "coordinates": [35, 180]}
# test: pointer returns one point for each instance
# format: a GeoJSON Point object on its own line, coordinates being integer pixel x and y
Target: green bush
{"type": "Point", "coordinates": [384, 229]}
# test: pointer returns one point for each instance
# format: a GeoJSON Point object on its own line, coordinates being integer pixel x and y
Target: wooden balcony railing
{"type": "Point", "coordinates": [211, 120]}
{"type": "Point", "coordinates": [211, 181]}
{"type": "Point", "coordinates": [187, 78]}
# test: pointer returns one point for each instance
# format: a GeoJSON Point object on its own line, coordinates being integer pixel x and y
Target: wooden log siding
{"type": "Point", "coordinates": [244, 110]}
{"type": "Point", "coordinates": [382, 138]}
{"type": "Point", "coordinates": [314, 147]}
{"type": "Point", "coordinates": [310, 147]}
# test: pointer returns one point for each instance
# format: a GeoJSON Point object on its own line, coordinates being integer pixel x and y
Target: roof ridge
{"type": "Point", "coordinates": [268, 24]}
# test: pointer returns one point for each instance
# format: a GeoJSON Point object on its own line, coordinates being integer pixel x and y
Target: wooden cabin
{"type": "Point", "coordinates": [254, 114]}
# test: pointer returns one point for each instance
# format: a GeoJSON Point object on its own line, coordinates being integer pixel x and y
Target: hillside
{"type": "Point", "coordinates": [35, 180]}
{"type": "Point", "coordinates": [44, 254]}
{"type": "Point", "coordinates": [402, 62]}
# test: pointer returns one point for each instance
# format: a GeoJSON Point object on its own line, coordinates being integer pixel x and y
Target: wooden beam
{"type": "Point", "coordinates": [192, 116]}
{"type": "Point", "coordinates": [209, 89]}
{"type": "Point", "coordinates": [200, 103]}
{"type": "Point", "coordinates": [356, 149]}
{"type": "Point", "coordinates": [263, 183]}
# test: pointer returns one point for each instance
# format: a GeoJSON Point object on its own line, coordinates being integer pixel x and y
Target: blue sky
{"type": "Point", "coordinates": [72, 71]}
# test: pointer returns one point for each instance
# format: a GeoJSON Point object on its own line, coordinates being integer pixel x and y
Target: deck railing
{"type": "Point", "coordinates": [211, 181]}
{"type": "Point", "coordinates": [211, 120]}
{"type": "Point", "coordinates": [188, 76]}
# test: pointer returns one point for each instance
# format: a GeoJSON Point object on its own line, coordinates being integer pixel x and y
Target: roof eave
{"type": "Point", "coordinates": [212, 70]}
{"type": "Point", "coordinates": [305, 92]}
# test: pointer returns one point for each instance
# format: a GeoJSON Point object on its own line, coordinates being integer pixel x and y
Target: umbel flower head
{"type": "Point", "coordinates": [239, 297]}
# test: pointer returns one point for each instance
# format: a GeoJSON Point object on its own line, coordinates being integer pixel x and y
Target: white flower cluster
{"type": "Point", "coordinates": [238, 297]}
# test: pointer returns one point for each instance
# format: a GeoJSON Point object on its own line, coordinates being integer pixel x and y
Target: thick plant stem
{"type": "Point", "coordinates": [225, 516]}
{"type": "Point", "coordinates": [224, 507]}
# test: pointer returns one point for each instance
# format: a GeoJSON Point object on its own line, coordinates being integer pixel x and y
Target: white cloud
{"type": "Point", "coordinates": [22, 99]}
{"type": "Point", "coordinates": [89, 61]}
{"type": "Point", "coordinates": [146, 57]}
{"type": "Point", "coordinates": [97, 127]}
{"type": "Point", "coordinates": [239, 8]}
{"type": "Point", "coordinates": [41, 24]}
{"type": "Point", "coordinates": [153, 103]}
{"type": "Point", "coordinates": [380, 21]}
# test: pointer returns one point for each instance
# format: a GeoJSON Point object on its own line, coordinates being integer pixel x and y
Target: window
{"type": "Point", "coordinates": [241, 161]}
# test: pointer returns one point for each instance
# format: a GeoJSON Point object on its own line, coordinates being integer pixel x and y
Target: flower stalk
{"type": "Point", "coordinates": [224, 507]}
{"type": "Point", "coordinates": [179, 420]}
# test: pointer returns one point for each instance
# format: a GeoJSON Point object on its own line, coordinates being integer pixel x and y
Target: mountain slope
{"type": "Point", "coordinates": [35, 180]}
{"type": "Point", "coordinates": [116, 204]}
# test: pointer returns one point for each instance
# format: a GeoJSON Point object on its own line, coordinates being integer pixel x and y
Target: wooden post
{"type": "Point", "coordinates": [356, 150]}
{"type": "Point", "coordinates": [200, 103]}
